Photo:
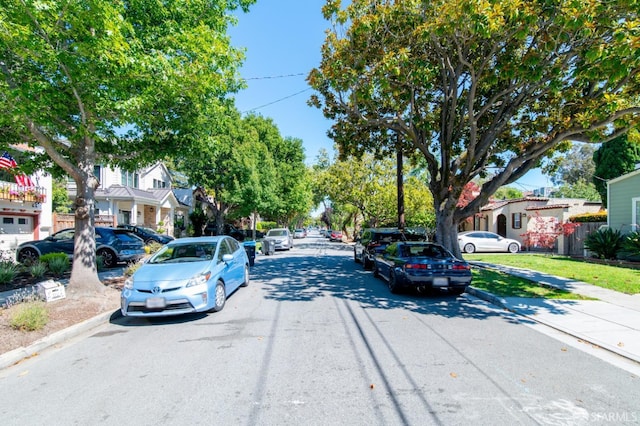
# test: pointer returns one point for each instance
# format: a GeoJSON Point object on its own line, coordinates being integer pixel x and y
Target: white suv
{"type": "Point", "coordinates": [281, 237]}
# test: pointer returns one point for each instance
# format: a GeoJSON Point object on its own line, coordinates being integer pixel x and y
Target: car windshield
{"type": "Point", "coordinates": [179, 253]}
{"type": "Point", "coordinates": [277, 233]}
{"type": "Point", "coordinates": [147, 230]}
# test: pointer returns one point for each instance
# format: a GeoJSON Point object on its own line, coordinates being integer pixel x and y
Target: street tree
{"type": "Point", "coordinates": [121, 83]}
{"type": "Point", "coordinates": [472, 85]}
{"type": "Point", "coordinates": [234, 167]}
{"type": "Point", "coordinates": [613, 159]}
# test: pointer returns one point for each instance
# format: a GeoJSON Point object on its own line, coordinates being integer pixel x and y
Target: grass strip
{"type": "Point", "coordinates": [504, 285]}
{"type": "Point", "coordinates": [615, 278]}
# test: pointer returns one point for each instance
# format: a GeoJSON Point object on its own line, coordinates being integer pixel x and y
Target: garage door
{"type": "Point", "coordinates": [14, 230]}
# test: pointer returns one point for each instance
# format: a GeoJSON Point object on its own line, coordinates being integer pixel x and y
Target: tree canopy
{"type": "Point", "coordinates": [473, 84]}
{"type": "Point", "coordinates": [103, 82]}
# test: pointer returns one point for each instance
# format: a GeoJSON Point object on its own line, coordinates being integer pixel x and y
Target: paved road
{"type": "Point", "coordinates": [316, 340]}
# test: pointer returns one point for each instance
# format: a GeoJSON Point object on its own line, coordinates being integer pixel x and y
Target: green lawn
{"type": "Point", "coordinates": [624, 280]}
{"type": "Point", "coordinates": [505, 285]}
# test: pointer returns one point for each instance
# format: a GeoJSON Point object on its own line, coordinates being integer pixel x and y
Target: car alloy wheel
{"type": "Point", "coordinates": [246, 277]}
{"type": "Point", "coordinates": [220, 297]}
{"type": "Point", "coordinates": [469, 248]}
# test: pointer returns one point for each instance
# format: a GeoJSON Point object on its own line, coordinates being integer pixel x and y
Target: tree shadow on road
{"type": "Point", "coordinates": [326, 273]}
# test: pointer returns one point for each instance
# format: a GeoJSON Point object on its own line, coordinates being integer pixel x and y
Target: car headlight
{"type": "Point", "coordinates": [199, 279]}
{"type": "Point", "coordinates": [128, 284]}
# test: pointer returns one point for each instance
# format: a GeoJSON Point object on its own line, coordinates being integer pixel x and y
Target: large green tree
{"type": "Point", "coordinates": [472, 84]}
{"type": "Point", "coordinates": [613, 159]}
{"type": "Point", "coordinates": [111, 82]}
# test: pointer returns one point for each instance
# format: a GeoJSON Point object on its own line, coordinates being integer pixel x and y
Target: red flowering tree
{"type": "Point", "coordinates": [545, 231]}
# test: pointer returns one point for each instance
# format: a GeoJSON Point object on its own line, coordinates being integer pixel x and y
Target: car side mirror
{"type": "Point", "coordinates": [226, 258]}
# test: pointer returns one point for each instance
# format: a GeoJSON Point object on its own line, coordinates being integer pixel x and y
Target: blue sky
{"type": "Point", "coordinates": [282, 39]}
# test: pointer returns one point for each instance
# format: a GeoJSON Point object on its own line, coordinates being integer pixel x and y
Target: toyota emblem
{"type": "Point", "coordinates": [156, 290]}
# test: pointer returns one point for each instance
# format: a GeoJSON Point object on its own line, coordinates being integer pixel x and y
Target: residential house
{"type": "Point", "coordinates": [25, 212]}
{"type": "Point", "coordinates": [143, 198]}
{"type": "Point", "coordinates": [514, 218]}
{"type": "Point", "coordinates": [623, 202]}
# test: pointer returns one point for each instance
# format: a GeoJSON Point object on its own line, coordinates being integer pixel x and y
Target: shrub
{"type": "Point", "coordinates": [8, 271]}
{"type": "Point", "coordinates": [38, 269]}
{"type": "Point", "coordinates": [589, 217]}
{"type": "Point", "coordinates": [132, 268]}
{"type": "Point", "coordinates": [30, 316]}
{"type": "Point", "coordinates": [59, 265]}
{"type": "Point", "coordinates": [605, 243]}
{"type": "Point", "coordinates": [152, 247]}
{"type": "Point", "coordinates": [631, 246]}
{"type": "Point", "coordinates": [46, 258]}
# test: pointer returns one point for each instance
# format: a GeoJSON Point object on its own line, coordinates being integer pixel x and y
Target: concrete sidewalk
{"type": "Point", "coordinates": [612, 322]}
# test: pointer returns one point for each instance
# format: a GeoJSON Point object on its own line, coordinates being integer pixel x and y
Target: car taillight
{"type": "Point", "coordinates": [459, 266]}
{"type": "Point", "coordinates": [417, 266]}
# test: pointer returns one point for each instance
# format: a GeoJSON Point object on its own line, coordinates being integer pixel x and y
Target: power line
{"type": "Point", "coordinates": [277, 100]}
{"type": "Point", "coordinates": [275, 76]}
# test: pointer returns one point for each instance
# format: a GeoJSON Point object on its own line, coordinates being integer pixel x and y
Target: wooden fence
{"type": "Point", "coordinates": [63, 221]}
{"type": "Point", "coordinates": [575, 241]}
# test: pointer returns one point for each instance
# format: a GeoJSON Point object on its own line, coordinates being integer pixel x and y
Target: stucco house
{"type": "Point", "coordinates": [143, 198]}
{"type": "Point", "coordinates": [623, 202]}
{"type": "Point", "coordinates": [515, 217]}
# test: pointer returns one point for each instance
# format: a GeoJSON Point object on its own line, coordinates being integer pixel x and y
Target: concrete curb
{"type": "Point", "coordinates": [17, 355]}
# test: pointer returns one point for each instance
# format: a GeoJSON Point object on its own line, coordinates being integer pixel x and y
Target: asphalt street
{"type": "Point", "coordinates": [316, 340]}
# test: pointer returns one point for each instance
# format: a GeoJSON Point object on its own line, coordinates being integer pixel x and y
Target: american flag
{"type": "Point", "coordinates": [8, 162]}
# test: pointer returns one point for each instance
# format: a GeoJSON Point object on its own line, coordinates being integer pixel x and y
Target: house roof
{"type": "Point", "coordinates": [493, 205]}
{"type": "Point", "coordinates": [154, 196]}
{"type": "Point", "coordinates": [625, 176]}
{"type": "Point", "coordinates": [548, 207]}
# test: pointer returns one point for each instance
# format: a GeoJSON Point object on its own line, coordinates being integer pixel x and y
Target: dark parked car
{"type": "Point", "coordinates": [112, 244]}
{"type": "Point", "coordinates": [147, 234]}
{"type": "Point", "coordinates": [372, 241]}
{"type": "Point", "coordinates": [421, 266]}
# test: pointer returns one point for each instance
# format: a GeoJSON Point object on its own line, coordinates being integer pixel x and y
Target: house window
{"type": "Point", "coordinates": [97, 172]}
{"type": "Point", "coordinates": [22, 221]}
{"type": "Point", "coordinates": [130, 179]}
{"type": "Point", "coordinates": [159, 184]}
{"type": "Point", "coordinates": [635, 216]}
{"type": "Point", "coordinates": [515, 220]}
{"type": "Point", "coordinates": [7, 220]}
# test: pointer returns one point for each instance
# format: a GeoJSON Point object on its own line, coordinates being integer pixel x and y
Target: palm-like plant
{"type": "Point", "coordinates": [604, 243]}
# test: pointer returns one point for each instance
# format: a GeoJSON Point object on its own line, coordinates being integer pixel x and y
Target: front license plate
{"type": "Point", "coordinates": [156, 302]}
{"type": "Point", "coordinates": [440, 282]}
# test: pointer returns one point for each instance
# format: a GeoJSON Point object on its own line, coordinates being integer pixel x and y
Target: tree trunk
{"type": "Point", "coordinates": [84, 279]}
{"type": "Point", "coordinates": [447, 229]}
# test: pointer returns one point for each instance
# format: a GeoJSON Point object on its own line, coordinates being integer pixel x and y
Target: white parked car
{"type": "Point", "coordinates": [281, 237]}
{"type": "Point", "coordinates": [476, 241]}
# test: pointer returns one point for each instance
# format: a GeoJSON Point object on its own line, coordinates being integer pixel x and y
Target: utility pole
{"type": "Point", "coordinates": [400, 183]}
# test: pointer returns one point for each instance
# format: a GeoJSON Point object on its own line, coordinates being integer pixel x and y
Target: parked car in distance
{"type": "Point", "coordinates": [372, 241]}
{"type": "Point", "coordinates": [194, 274]}
{"type": "Point", "coordinates": [422, 266]}
{"type": "Point", "coordinates": [484, 241]}
{"type": "Point", "coordinates": [113, 245]}
{"type": "Point", "coordinates": [299, 233]}
{"type": "Point", "coordinates": [335, 235]}
{"type": "Point", "coordinates": [281, 237]}
{"type": "Point", "coordinates": [147, 234]}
